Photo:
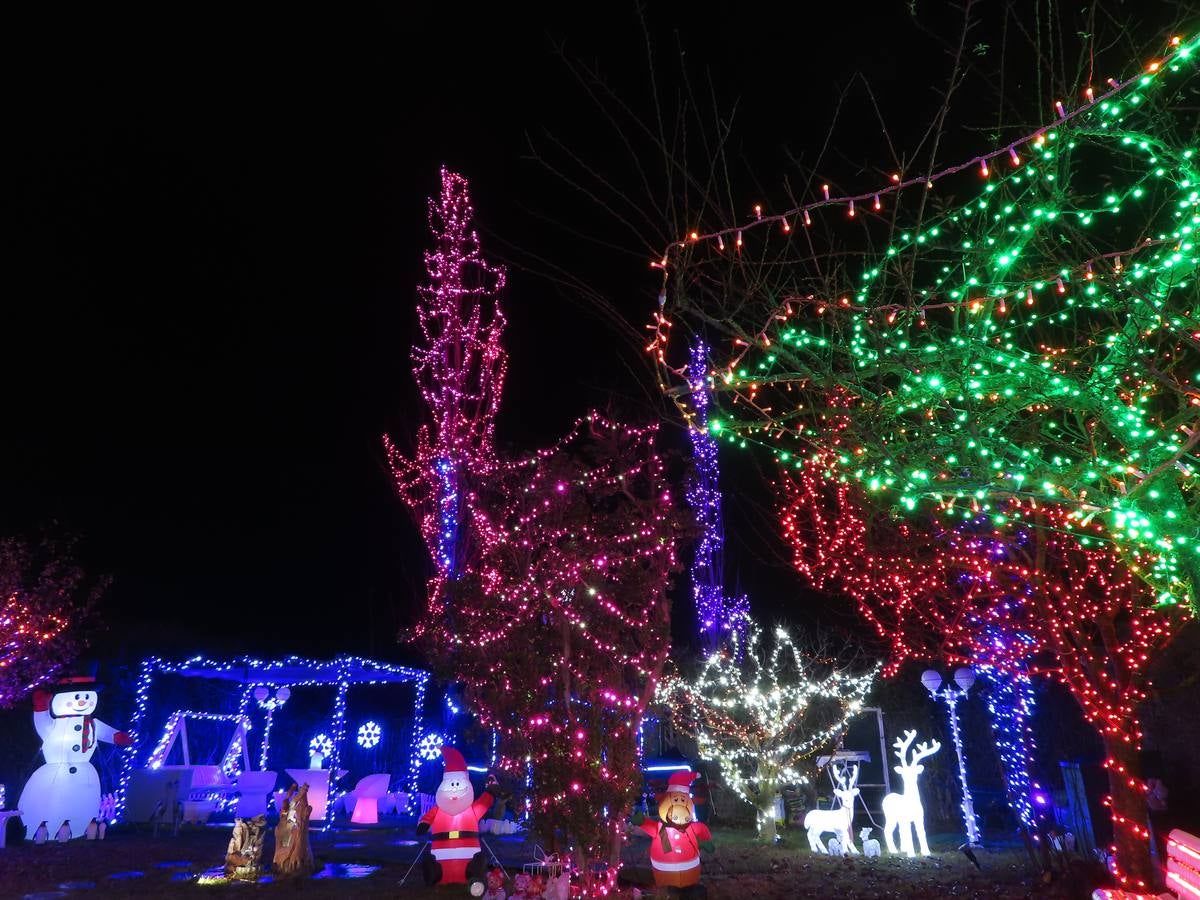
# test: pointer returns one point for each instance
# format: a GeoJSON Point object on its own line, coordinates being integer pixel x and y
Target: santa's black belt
{"type": "Point", "coordinates": [453, 835]}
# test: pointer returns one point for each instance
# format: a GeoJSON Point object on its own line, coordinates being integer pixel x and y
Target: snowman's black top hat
{"type": "Point", "coordinates": [75, 683]}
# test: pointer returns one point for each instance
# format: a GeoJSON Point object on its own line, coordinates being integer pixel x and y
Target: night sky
{"type": "Point", "coordinates": [217, 218]}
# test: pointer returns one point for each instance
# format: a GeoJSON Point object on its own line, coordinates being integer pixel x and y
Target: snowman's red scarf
{"type": "Point", "coordinates": [89, 729]}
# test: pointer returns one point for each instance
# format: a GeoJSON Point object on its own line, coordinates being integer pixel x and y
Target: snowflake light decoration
{"type": "Point", "coordinates": [320, 745]}
{"type": "Point", "coordinates": [369, 734]}
{"type": "Point", "coordinates": [431, 746]}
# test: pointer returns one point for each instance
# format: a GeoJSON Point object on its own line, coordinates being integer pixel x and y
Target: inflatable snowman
{"type": "Point", "coordinates": [67, 787]}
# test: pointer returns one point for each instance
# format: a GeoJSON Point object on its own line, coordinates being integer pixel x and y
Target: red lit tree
{"type": "Point", "coordinates": [1036, 600]}
{"type": "Point", "coordinates": [45, 600]}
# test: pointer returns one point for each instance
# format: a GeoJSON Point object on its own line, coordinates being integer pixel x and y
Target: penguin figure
{"type": "Point", "coordinates": [41, 835]}
{"type": "Point", "coordinates": [92, 830]}
{"type": "Point", "coordinates": [64, 832]}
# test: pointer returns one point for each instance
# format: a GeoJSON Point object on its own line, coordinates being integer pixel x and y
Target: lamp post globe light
{"type": "Point", "coordinates": [964, 678]}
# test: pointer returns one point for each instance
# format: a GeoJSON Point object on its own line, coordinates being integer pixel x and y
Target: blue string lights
{"type": "Point", "coordinates": [718, 615]}
{"type": "Point", "coordinates": [252, 674]}
{"type": "Point", "coordinates": [175, 726]}
{"type": "Point", "coordinates": [447, 542]}
{"type": "Point", "coordinates": [1011, 702]}
{"type": "Point", "coordinates": [269, 703]}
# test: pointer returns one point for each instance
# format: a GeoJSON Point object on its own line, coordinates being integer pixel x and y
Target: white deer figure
{"type": "Point", "coordinates": [904, 811]}
{"type": "Point", "coordinates": [819, 821]}
{"type": "Point", "coordinates": [869, 844]}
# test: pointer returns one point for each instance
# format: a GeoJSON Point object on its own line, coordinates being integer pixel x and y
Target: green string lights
{"type": "Point", "coordinates": [1037, 345]}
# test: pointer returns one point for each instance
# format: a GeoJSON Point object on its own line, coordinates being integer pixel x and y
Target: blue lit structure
{"type": "Point", "coordinates": [294, 672]}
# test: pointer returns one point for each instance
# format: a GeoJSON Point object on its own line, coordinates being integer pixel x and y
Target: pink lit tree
{"type": "Point", "coordinates": [459, 365]}
{"type": "Point", "coordinates": [45, 600]}
{"type": "Point", "coordinates": [548, 600]}
{"type": "Point", "coordinates": [559, 624]}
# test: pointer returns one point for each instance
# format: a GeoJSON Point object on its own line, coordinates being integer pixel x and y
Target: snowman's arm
{"type": "Point", "coordinates": [43, 722]}
{"type": "Point", "coordinates": [105, 732]}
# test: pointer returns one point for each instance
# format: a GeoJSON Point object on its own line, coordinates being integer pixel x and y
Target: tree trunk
{"type": "Point", "coordinates": [1130, 838]}
{"type": "Point", "coordinates": [767, 831]}
{"type": "Point", "coordinates": [767, 788]}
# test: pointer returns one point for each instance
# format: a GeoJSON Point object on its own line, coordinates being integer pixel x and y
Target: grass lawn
{"type": "Point", "coordinates": [137, 865]}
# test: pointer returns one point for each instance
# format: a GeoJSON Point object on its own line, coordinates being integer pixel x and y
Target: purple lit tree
{"type": "Point", "coordinates": [718, 616]}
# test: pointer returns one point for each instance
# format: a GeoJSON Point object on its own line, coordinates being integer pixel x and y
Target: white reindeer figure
{"type": "Point", "coordinates": [904, 811]}
{"type": "Point", "coordinates": [819, 821]}
{"type": "Point", "coordinates": [869, 844]}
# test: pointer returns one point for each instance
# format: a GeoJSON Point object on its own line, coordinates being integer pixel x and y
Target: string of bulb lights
{"type": "Point", "coordinates": [1014, 377]}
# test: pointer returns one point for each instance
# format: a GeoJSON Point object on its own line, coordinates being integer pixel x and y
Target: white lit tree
{"type": "Point", "coordinates": [759, 713]}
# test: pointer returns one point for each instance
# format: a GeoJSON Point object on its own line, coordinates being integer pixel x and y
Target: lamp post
{"type": "Point", "coordinates": [950, 695]}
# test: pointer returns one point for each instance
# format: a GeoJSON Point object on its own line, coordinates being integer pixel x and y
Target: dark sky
{"type": "Point", "coordinates": [216, 230]}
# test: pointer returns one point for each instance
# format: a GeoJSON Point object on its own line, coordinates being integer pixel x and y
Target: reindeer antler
{"type": "Point", "coordinates": [924, 749]}
{"type": "Point", "coordinates": [902, 745]}
{"type": "Point", "coordinates": [837, 774]}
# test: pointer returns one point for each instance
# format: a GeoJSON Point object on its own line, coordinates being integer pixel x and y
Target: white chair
{"type": "Point", "coordinates": [254, 787]}
{"type": "Point", "coordinates": [367, 794]}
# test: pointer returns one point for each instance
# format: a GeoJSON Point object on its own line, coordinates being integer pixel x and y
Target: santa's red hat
{"type": "Point", "coordinates": [455, 763]}
{"type": "Point", "coordinates": [681, 781]}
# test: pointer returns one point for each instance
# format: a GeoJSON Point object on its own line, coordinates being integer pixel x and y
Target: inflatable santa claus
{"type": "Point", "coordinates": [64, 793]}
{"type": "Point", "coordinates": [676, 838]}
{"type": "Point", "coordinates": [454, 822]}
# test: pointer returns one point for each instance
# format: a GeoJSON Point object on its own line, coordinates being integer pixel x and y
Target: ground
{"type": "Point", "coordinates": [371, 863]}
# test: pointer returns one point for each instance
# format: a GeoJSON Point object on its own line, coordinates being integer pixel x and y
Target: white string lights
{"type": "Point", "coordinates": [757, 714]}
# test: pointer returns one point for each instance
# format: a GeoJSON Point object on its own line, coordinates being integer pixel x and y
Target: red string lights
{"type": "Point", "coordinates": [899, 183]}
{"type": "Point", "coordinates": [1034, 601]}
{"type": "Point", "coordinates": [44, 604]}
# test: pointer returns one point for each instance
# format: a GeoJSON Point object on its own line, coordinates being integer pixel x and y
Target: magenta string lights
{"type": "Point", "coordinates": [459, 364]}
{"type": "Point", "coordinates": [549, 598]}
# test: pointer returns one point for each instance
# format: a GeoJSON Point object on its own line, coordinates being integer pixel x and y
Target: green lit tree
{"type": "Point", "coordinates": [1036, 345]}
{"type": "Point", "coordinates": [1021, 363]}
